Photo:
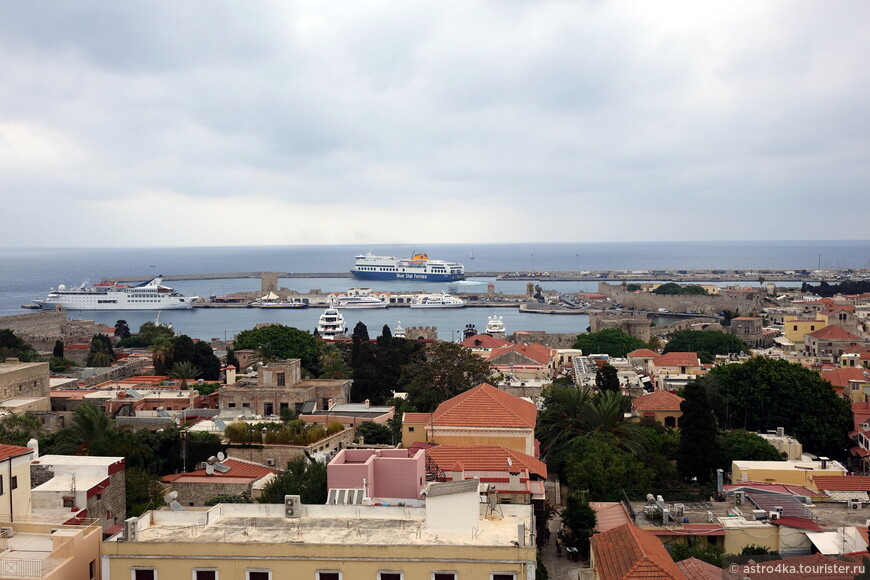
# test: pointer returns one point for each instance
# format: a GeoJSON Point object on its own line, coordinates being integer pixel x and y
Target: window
{"type": "Point", "coordinates": [258, 575]}
{"type": "Point", "coordinates": [443, 575]}
{"type": "Point", "coordinates": [92, 569]}
{"type": "Point", "coordinates": [390, 576]}
{"type": "Point", "coordinates": [410, 429]}
{"type": "Point", "coordinates": [144, 574]}
{"type": "Point", "coordinates": [69, 501]}
{"type": "Point", "coordinates": [1, 485]}
{"type": "Point", "coordinates": [205, 574]}
{"type": "Point", "coordinates": [232, 405]}
{"type": "Point", "coordinates": [329, 575]}
{"type": "Point", "coordinates": [281, 380]}
{"type": "Point", "coordinates": [13, 482]}
{"type": "Point", "coordinates": [502, 576]}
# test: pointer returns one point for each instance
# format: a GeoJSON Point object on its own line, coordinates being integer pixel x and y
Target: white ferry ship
{"type": "Point", "coordinates": [331, 325]}
{"type": "Point", "coordinates": [358, 298]}
{"type": "Point", "coordinates": [149, 295]}
{"type": "Point", "coordinates": [437, 301]}
{"type": "Point", "coordinates": [417, 267]}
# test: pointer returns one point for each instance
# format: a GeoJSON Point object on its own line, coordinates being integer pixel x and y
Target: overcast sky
{"type": "Point", "coordinates": [253, 123]}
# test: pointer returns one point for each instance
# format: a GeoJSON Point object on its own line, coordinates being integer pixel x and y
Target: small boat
{"type": "Point", "coordinates": [495, 325]}
{"type": "Point", "coordinates": [331, 325]}
{"type": "Point", "coordinates": [437, 301]}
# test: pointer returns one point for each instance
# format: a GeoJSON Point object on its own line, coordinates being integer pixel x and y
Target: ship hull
{"type": "Point", "coordinates": [422, 276]}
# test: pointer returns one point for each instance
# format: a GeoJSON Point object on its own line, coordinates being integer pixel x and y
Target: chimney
{"type": "Point", "coordinates": [367, 403]}
{"type": "Point", "coordinates": [231, 374]}
{"type": "Point", "coordinates": [458, 473]}
{"type": "Point", "coordinates": [330, 403]}
{"type": "Point", "coordinates": [824, 461]}
{"type": "Point", "coordinates": [34, 444]}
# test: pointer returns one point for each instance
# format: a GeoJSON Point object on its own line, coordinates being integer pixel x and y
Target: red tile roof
{"type": "Point", "coordinates": [642, 353]}
{"type": "Point", "coordinates": [10, 451]}
{"type": "Point", "coordinates": [696, 569]}
{"type": "Point", "coordinates": [842, 482]}
{"type": "Point", "coordinates": [538, 353]}
{"type": "Point", "coordinates": [485, 458]}
{"type": "Point", "coordinates": [795, 522]}
{"type": "Point", "coordinates": [677, 359]}
{"type": "Point", "coordinates": [834, 332]}
{"type": "Point", "coordinates": [239, 469]}
{"type": "Point", "coordinates": [629, 552]}
{"type": "Point", "coordinates": [657, 401]}
{"type": "Point", "coordinates": [841, 377]}
{"type": "Point", "coordinates": [484, 341]}
{"type": "Point", "coordinates": [416, 418]}
{"type": "Point", "coordinates": [609, 515]}
{"type": "Point", "coordinates": [486, 406]}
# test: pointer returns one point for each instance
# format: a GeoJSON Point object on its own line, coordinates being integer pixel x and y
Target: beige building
{"type": "Point", "coordinates": [24, 386]}
{"type": "Point", "coordinates": [454, 537]}
{"type": "Point", "coordinates": [15, 480]}
{"type": "Point", "coordinates": [279, 385]}
{"type": "Point", "coordinates": [787, 472]}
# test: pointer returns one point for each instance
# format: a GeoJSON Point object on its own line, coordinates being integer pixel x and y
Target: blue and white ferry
{"type": "Point", "coordinates": [417, 267]}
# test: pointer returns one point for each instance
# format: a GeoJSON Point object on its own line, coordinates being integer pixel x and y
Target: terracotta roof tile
{"type": "Point", "coordinates": [538, 353]}
{"type": "Point", "coordinates": [642, 353]}
{"type": "Point", "coordinates": [484, 341]}
{"type": "Point", "coordinates": [486, 406]}
{"type": "Point", "coordinates": [834, 332]}
{"type": "Point", "coordinates": [485, 458]}
{"type": "Point", "coordinates": [677, 359]}
{"type": "Point", "coordinates": [841, 377]}
{"type": "Point", "coordinates": [238, 469]}
{"type": "Point", "coordinates": [696, 569]}
{"type": "Point", "coordinates": [795, 522]}
{"type": "Point", "coordinates": [842, 482]}
{"type": "Point", "coordinates": [416, 418]}
{"type": "Point", "coordinates": [657, 401]}
{"type": "Point", "coordinates": [9, 451]}
{"type": "Point", "coordinates": [629, 552]}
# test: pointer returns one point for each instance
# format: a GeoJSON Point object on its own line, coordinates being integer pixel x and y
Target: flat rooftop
{"type": "Point", "coordinates": [6, 367]}
{"type": "Point", "coordinates": [326, 524]}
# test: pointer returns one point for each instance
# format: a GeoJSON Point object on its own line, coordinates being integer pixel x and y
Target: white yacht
{"type": "Point", "coordinates": [437, 301]}
{"type": "Point", "coordinates": [358, 298]}
{"type": "Point", "coordinates": [494, 325]}
{"type": "Point", "coordinates": [331, 325]}
{"type": "Point", "coordinates": [149, 295]}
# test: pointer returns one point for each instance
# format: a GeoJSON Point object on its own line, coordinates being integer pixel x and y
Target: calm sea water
{"type": "Point", "coordinates": [26, 274]}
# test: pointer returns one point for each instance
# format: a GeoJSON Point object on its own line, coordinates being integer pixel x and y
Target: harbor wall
{"type": "Point", "coordinates": [742, 304]}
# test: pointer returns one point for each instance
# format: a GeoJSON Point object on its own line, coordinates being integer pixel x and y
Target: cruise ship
{"type": "Point", "coordinates": [417, 267]}
{"type": "Point", "coordinates": [149, 295]}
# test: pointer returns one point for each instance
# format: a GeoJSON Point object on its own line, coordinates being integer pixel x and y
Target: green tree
{"type": "Point", "coordinates": [59, 365]}
{"type": "Point", "coordinates": [580, 519]}
{"type": "Point", "coordinates": [91, 432]}
{"type": "Point", "coordinates": [741, 445]}
{"type": "Point", "coordinates": [763, 393]}
{"type": "Point", "coordinates": [441, 371]}
{"type": "Point", "coordinates": [699, 452]}
{"type": "Point", "coordinates": [101, 354]}
{"type": "Point", "coordinates": [673, 289]}
{"type": "Point", "coordinates": [332, 363]}
{"type": "Point", "coordinates": [122, 330]}
{"type": "Point", "coordinates": [184, 371]}
{"type": "Point", "coordinates": [19, 429]}
{"type": "Point", "coordinates": [610, 341]}
{"type": "Point", "coordinates": [206, 361]}
{"type": "Point", "coordinates": [375, 433]}
{"type": "Point", "coordinates": [14, 346]}
{"type": "Point", "coordinates": [287, 343]}
{"type": "Point", "coordinates": [607, 378]}
{"type": "Point", "coordinates": [596, 463]}
{"type": "Point", "coordinates": [150, 331]}
{"type": "Point", "coordinates": [161, 353]}
{"type": "Point", "coordinates": [183, 350]}
{"type": "Point", "coordinates": [57, 351]}
{"type": "Point", "coordinates": [698, 548]}
{"type": "Point", "coordinates": [303, 477]}
{"type": "Point", "coordinates": [231, 359]}
{"type": "Point", "coordinates": [707, 343]}
{"type": "Point", "coordinates": [755, 550]}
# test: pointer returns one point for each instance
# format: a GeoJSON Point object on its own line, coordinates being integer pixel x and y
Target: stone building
{"type": "Point", "coordinates": [24, 386]}
{"type": "Point", "coordinates": [242, 477]}
{"type": "Point", "coordinates": [831, 341]}
{"type": "Point", "coordinates": [636, 325]}
{"type": "Point", "coordinates": [750, 329]}
{"type": "Point", "coordinates": [279, 385]}
{"type": "Point", "coordinates": [95, 487]}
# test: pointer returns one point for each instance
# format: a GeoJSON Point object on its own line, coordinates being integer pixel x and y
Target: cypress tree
{"type": "Point", "coordinates": [699, 452]}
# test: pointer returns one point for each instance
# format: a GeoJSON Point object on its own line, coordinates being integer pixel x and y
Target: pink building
{"type": "Point", "coordinates": [389, 474]}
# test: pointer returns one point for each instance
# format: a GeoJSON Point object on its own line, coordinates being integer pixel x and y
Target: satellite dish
{"type": "Point", "coordinates": [209, 469]}
{"type": "Point", "coordinates": [221, 456]}
{"type": "Point", "coordinates": [170, 497]}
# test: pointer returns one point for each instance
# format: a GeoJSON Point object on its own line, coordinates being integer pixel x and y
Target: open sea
{"type": "Point", "coordinates": [27, 274]}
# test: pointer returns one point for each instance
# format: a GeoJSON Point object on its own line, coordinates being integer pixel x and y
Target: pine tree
{"type": "Point", "coordinates": [58, 349]}
{"type": "Point", "coordinates": [699, 451]}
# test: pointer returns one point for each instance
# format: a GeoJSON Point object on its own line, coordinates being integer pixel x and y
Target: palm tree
{"type": "Point", "coordinates": [161, 353]}
{"type": "Point", "coordinates": [267, 353]}
{"type": "Point", "coordinates": [99, 356]}
{"type": "Point", "coordinates": [92, 432]}
{"type": "Point", "coordinates": [332, 363]}
{"type": "Point", "coordinates": [184, 371]}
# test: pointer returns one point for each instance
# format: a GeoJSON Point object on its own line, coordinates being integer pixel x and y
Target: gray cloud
{"type": "Point", "coordinates": [570, 121]}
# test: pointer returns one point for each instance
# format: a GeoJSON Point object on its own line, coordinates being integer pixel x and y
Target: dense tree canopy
{"type": "Point", "coordinates": [597, 464]}
{"type": "Point", "coordinates": [764, 393]}
{"type": "Point", "coordinates": [741, 445]}
{"type": "Point", "coordinates": [18, 429]}
{"type": "Point", "coordinates": [14, 346]}
{"type": "Point", "coordinates": [698, 454]}
{"type": "Point", "coordinates": [610, 341]}
{"type": "Point", "coordinates": [375, 433]}
{"type": "Point", "coordinates": [673, 289]}
{"type": "Point", "coordinates": [287, 342]}
{"type": "Point", "coordinates": [441, 371]}
{"type": "Point", "coordinates": [607, 378]}
{"type": "Point", "coordinates": [302, 477]}
{"type": "Point", "coordinates": [149, 331]}
{"type": "Point", "coordinates": [707, 343]}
